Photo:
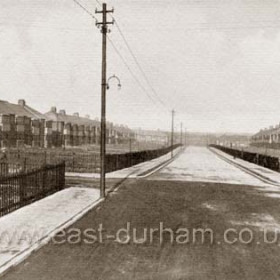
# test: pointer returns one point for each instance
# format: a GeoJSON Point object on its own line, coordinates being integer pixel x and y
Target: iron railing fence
{"type": "Point", "coordinates": [80, 162]}
{"type": "Point", "coordinates": [20, 189]}
{"type": "Point", "coordinates": [260, 159]}
{"type": "Point", "coordinates": [120, 161]}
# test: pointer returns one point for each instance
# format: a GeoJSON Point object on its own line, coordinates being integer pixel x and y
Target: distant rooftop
{"type": "Point", "coordinates": [61, 116]}
{"type": "Point", "coordinates": [20, 109]}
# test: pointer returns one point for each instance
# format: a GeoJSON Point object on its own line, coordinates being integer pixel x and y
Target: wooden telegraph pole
{"type": "Point", "coordinates": [181, 134]}
{"type": "Point", "coordinates": [104, 30]}
{"type": "Point", "coordinates": [172, 132]}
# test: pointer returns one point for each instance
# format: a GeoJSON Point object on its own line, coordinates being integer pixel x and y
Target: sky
{"type": "Point", "coordinates": [215, 62]}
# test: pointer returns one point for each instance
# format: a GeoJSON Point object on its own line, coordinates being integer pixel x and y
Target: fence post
{"type": "Point", "coordinates": [63, 176]}
{"type": "Point", "coordinates": [21, 180]}
{"type": "Point", "coordinates": [45, 157]}
{"type": "Point", "coordinates": [24, 164]}
{"type": "Point", "coordinates": [44, 179]}
{"type": "Point", "coordinates": [73, 162]}
{"type": "Point", "coordinates": [130, 159]}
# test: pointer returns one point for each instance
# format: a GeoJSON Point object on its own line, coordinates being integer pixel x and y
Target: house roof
{"type": "Point", "coordinates": [61, 116]}
{"type": "Point", "coordinates": [71, 119]}
{"type": "Point", "coordinates": [19, 110]}
{"type": "Point", "coordinates": [266, 131]}
{"type": "Point", "coordinates": [123, 129]}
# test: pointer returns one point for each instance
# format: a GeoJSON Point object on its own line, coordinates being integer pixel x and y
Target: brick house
{"type": "Point", "coordinates": [267, 136]}
{"type": "Point", "coordinates": [73, 130]}
{"type": "Point", "coordinates": [21, 125]}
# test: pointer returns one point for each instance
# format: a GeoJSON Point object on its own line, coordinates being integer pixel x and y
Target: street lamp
{"type": "Point", "coordinates": [114, 77]}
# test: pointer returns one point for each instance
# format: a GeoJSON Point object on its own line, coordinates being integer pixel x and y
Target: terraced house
{"type": "Point", "coordinates": [73, 130]}
{"type": "Point", "coordinates": [21, 125]}
{"type": "Point", "coordinates": [267, 136]}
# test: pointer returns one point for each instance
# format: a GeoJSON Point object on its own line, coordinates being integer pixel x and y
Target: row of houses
{"type": "Point", "coordinates": [269, 135]}
{"type": "Point", "coordinates": [158, 137]}
{"type": "Point", "coordinates": [21, 125]}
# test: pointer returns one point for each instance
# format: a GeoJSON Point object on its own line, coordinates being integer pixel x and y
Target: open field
{"type": "Point", "coordinates": [81, 160]}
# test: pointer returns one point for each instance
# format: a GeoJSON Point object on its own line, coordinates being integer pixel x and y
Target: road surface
{"type": "Point", "coordinates": [201, 165]}
{"type": "Point", "coordinates": [198, 193]}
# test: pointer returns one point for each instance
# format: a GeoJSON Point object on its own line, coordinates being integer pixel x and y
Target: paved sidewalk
{"type": "Point", "coordinates": [131, 172]}
{"type": "Point", "coordinates": [32, 226]}
{"type": "Point", "coordinates": [263, 172]}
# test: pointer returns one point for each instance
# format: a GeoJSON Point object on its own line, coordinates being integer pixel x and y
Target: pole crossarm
{"type": "Point", "coordinates": [107, 23]}
{"type": "Point", "coordinates": [106, 11]}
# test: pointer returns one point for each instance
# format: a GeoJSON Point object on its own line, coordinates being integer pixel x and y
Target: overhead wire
{"type": "Point", "coordinates": [137, 62]}
{"type": "Point", "coordinates": [120, 55]}
{"type": "Point", "coordinates": [129, 69]}
{"type": "Point", "coordinates": [85, 10]}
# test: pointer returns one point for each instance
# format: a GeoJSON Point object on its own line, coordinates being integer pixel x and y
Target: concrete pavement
{"type": "Point", "coordinates": [32, 226]}
{"type": "Point", "coordinates": [264, 173]}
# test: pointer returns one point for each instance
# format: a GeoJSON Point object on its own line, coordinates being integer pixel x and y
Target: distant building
{"type": "Point", "coordinates": [123, 134]}
{"type": "Point", "coordinates": [72, 130]}
{"type": "Point", "coordinates": [152, 136]}
{"type": "Point", "coordinates": [266, 136]}
{"type": "Point", "coordinates": [232, 140]}
{"type": "Point", "coordinates": [21, 125]}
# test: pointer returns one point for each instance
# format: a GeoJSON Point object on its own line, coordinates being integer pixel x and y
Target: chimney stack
{"type": "Point", "coordinates": [76, 114]}
{"type": "Point", "coordinates": [21, 102]}
{"type": "Point", "coordinates": [62, 112]}
{"type": "Point", "coordinates": [87, 116]}
{"type": "Point", "coordinates": [53, 109]}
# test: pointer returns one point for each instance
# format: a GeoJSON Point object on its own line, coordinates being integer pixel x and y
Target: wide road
{"type": "Point", "coordinates": [201, 165]}
{"type": "Point", "coordinates": [198, 218]}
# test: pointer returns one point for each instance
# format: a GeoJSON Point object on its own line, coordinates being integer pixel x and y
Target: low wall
{"type": "Point", "coordinates": [119, 161]}
{"type": "Point", "coordinates": [257, 158]}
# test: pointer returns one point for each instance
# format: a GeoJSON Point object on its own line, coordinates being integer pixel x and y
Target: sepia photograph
{"type": "Point", "coordinates": [139, 139]}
